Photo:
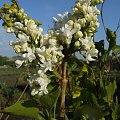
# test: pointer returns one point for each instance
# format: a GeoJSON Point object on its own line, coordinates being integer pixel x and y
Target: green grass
{"type": "Point", "coordinates": [4, 71]}
{"type": "Point", "coordinates": [11, 75]}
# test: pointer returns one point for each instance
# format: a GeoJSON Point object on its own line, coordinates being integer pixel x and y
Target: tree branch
{"type": "Point", "coordinates": [63, 90]}
{"type": "Point", "coordinates": [118, 26]}
{"type": "Point", "coordinates": [101, 13]}
{"type": "Point", "coordinates": [16, 2]}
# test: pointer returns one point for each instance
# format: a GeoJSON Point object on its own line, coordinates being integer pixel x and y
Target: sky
{"type": "Point", "coordinates": [44, 10]}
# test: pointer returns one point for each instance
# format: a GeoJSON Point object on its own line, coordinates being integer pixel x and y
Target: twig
{"type": "Point", "coordinates": [118, 26]}
{"type": "Point", "coordinates": [2, 17]}
{"type": "Point", "coordinates": [16, 2]}
{"type": "Point", "coordinates": [63, 90]}
{"type": "Point", "coordinates": [101, 13]}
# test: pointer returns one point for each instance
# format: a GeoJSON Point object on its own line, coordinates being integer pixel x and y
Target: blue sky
{"type": "Point", "coordinates": [44, 10]}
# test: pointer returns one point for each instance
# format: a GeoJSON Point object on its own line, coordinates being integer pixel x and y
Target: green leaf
{"type": "Point", "coordinates": [66, 118]}
{"type": "Point", "coordinates": [56, 74]}
{"type": "Point", "coordinates": [116, 49]}
{"type": "Point", "coordinates": [7, 17]}
{"type": "Point", "coordinates": [115, 111]}
{"type": "Point", "coordinates": [72, 84]}
{"type": "Point", "coordinates": [38, 23]}
{"type": "Point", "coordinates": [100, 46]}
{"type": "Point", "coordinates": [10, 23]}
{"type": "Point", "coordinates": [6, 5]}
{"type": "Point", "coordinates": [105, 56]}
{"type": "Point", "coordinates": [111, 37]}
{"type": "Point", "coordinates": [26, 109]}
{"type": "Point", "coordinates": [110, 89]}
{"type": "Point", "coordinates": [50, 100]}
{"type": "Point", "coordinates": [92, 112]}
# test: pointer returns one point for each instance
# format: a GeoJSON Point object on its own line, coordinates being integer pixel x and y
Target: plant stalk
{"type": "Point", "coordinates": [64, 82]}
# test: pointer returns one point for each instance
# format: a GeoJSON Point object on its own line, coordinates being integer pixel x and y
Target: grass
{"type": "Point", "coordinates": [11, 75]}
{"type": "Point", "coordinates": [10, 70]}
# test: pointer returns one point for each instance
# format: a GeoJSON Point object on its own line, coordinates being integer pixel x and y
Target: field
{"type": "Point", "coordinates": [11, 75]}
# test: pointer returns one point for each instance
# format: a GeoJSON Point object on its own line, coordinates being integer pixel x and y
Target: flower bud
{"type": "Point", "coordinates": [97, 12]}
{"type": "Point", "coordinates": [89, 34]}
{"type": "Point", "coordinates": [77, 44]}
{"type": "Point", "coordinates": [91, 29]}
{"type": "Point", "coordinates": [78, 5]}
{"type": "Point", "coordinates": [97, 24]}
{"type": "Point", "coordinates": [88, 17]}
{"type": "Point", "coordinates": [82, 22]}
{"type": "Point", "coordinates": [10, 30]}
{"type": "Point", "coordinates": [79, 34]}
{"type": "Point", "coordinates": [84, 9]}
{"type": "Point", "coordinates": [92, 23]}
{"type": "Point", "coordinates": [75, 10]}
{"type": "Point", "coordinates": [17, 48]}
{"type": "Point", "coordinates": [101, 1]}
{"type": "Point", "coordinates": [77, 26]}
{"type": "Point", "coordinates": [70, 22]}
{"type": "Point", "coordinates": [94, 18]}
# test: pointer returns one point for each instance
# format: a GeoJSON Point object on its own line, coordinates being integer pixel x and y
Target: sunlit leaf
{"type": "Point", "coordinates": [6, 5]}
{"type": "Point", "coordinates": [110, 89]}
{"type": "Point", "coordinates": [92, 112]}
{"type": "Point", "coordinates": [26, 109]}
{"type": "Point", "coordinates": [116, 49]}
{"type": "Point", "coordinates": [111, 37]}
{"type": "Point", "coordinates": [50, 100]}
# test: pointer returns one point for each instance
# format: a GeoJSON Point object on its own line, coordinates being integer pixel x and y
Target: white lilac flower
{"type": "Point", "coordinates": [40, 51]}
{"type": "Point", "coordinates": [87, 42]}
{"type": "Point", "coordinates": [19, 63]}
{"type": "Point", "coordinates": [24, 47]}
{"type": "Point", "coordinates": [44, 39]}
{"type": "Point", "coordinates": [32, 28]}
{"type": "Point", "coordinates": [47, 48]}
{"type": "Point", "coordinates": [39, 84]}
{"type": "Point", "coordinates": [85, 1]}
{"type": "Point", "coordinates": [23, 37]}
{"type": "Point", "coordinates": [47, 65]}
{"type": "Point", "coordinates": [63, 16]}
{"type": "Point", "coordinates": [18, 25]}
{"type": "Point", "coordinates": [90, 54]}
{"type": "Point", "coordinates": [17, 48]}
{"type": "Point", "coordinates": [54, 19]}
{"type": "Point", "coordinates": [52, 42]}
{"type": "Point", "coordinates": [10, 30]}
{"type": "Point", "coordinates": [62, 21]}
{"type": "Point", "coordinates": [68, 31]}
{"type": "Point", "coordinates": [30, 56]}
{"type": "Point", "coordinates": [21, 13]}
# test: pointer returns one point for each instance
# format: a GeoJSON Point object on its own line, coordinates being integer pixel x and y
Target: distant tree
{"type": "Point", "coordinates": [6, 61]}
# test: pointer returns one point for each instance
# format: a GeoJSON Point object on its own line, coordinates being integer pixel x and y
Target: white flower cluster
{"type": "Point", "coordinates": [33, 45]}
{"type": "Point", "coordinates": [76, 30]}
{"type": "Point", "coordinates": [71, 33]}
{"type": "Point", "coordinates": [39, 84]}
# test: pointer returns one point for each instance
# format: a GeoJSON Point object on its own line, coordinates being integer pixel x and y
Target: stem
{"type": "Point", "coordinates": [64, 82]}
{"type": "Point", "coordinates": [2, 17]}
{"type": "Point", "coordinates": [102, 16]}
{"type": "Point", "coordinates": [16, 2]}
